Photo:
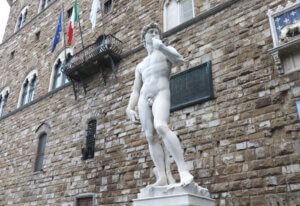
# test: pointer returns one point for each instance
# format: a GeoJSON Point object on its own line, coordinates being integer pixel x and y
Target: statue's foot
{"type": "Point", "coordinates": [186, 178]}
{"type": "Point", "coordinates": [160, 182]}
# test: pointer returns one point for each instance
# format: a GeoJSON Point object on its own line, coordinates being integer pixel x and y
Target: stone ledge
{"type": "Point", "coordinates": [175, 200]}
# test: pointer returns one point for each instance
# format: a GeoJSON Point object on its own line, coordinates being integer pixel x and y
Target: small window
{"type": "Point", "coordinates": [12, 55]}
{"type": "Point", "coordinates": [40, 152]}
{"type": "Point", "coordinates": [84, 201]}
{"type": "Point", "coordinates": [37, 36]}
{"type": "Point", "coordinates": [107, 6]}
{"type": "Point", "coordinates": [69, 12]}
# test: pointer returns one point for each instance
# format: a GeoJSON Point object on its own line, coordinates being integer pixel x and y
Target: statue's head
{"type": "Point", "coordinates": [153, 25]}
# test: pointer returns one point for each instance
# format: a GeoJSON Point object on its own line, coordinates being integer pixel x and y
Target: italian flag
{"type": "Point", "coordinates": [73, 19]}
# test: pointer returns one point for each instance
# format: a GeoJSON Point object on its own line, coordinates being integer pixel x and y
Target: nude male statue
{"type": "Point", "coordinates": [151, 93]}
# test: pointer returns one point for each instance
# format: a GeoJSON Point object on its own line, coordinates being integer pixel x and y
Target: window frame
{"type": "Point", "coordinates": [179, 13]}
{"type": "Point", "coordinates": [40, 155]}
{"type": "Point", "coordinates": [3, 100]}
{"type": "Point", "coordinates": [21, 19]}
{"type": "Point", "coordinates": [42, 129]}
{"type": "Point", "coordinates": [27, 84]}
{"type": "Point", "coordinates": [61, 57]}
{"type": "Point", "coordinates": [44, 6]}
{"type": "Point", "coordinates": [85, 195]}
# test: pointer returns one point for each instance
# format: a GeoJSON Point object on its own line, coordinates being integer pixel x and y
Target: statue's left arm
{"type": "Point", "coordinates": [170, 52]}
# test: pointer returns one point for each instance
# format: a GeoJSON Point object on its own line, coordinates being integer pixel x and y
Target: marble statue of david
{"type": "Point", "coordinates": [151, 93]}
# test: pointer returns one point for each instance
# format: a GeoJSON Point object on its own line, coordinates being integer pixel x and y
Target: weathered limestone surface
{"type": "Point", "coordinates": [243, 145]}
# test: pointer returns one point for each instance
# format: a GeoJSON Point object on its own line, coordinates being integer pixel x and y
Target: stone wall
{"type": "Point", "coordinates": [243, 145]}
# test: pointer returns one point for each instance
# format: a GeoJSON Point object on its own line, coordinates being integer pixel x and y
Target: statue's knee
{"type": "Point", "coordinates": [161, 128]}
{"type": "Point", "coordinates": [150, 139]}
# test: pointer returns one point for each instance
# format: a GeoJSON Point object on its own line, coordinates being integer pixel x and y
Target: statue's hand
{"type": "Point", "coordinates": [132, 115]}
{"type": "Point", "coordinates": [157, 43]}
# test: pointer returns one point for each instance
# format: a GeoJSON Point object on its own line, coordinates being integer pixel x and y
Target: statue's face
{"type": "Point", "coordinates": [151, 33]}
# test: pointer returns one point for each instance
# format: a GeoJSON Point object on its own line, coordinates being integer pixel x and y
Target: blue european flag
{"type": "Point", "coordinates": [298, 108]}
{"type": "Point", "coordinates": [57, 32]}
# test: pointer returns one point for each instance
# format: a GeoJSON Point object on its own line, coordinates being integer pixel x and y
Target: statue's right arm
{"type": "Point", "coordinates": [134, 97]}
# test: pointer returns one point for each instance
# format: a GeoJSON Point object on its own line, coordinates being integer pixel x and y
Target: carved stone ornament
{"type": "Point", "coordinates": [285, 29]}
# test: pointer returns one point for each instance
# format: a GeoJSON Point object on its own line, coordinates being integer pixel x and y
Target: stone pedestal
{"type": "Point", "coordinates": [174, 195]}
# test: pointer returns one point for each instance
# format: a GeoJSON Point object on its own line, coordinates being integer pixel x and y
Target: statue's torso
{"type": "Point", "coordinates": [155, 72]}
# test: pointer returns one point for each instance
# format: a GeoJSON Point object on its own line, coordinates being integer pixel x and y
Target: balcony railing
{"type": "Point", "coordinates": [95, 56]}
{"type": "Point", "coordinates": [92, 59]}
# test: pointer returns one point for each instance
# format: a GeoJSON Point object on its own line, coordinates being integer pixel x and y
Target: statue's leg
{"type": "Point", "coordinates": [161, 112]}
{"type": "Point", "coordinates": [171, 180]}
{"type": "Point", "coordinates": [155, 147]}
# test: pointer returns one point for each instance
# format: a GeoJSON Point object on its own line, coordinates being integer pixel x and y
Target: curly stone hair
{"type": "Point", "coordinates": [150, 26]}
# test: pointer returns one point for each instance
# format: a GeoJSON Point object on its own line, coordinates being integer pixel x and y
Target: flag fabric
{"type": "Point", "coordinates": [74, 18]}
{"type": "Point", "coordinates": [93, 14]}
{"type": "Point", "coordinates": [57, 32]}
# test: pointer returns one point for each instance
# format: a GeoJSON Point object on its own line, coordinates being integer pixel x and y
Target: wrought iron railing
{"type": "Point", "coordinates": [109, 45]}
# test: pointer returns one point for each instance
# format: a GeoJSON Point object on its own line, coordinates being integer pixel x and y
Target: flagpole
{"type": "Point", "coordinates": [63, 16]}
{"type": "Point", "coordinates": [81, 38]}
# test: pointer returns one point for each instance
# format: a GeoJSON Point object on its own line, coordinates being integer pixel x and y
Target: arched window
{"type": "Point", "coordinates": [28, 88]}
{"type": "Point", "coordinates": [177, 12]}
{"type": "Point", "coordinates": [44, 4]}
{"type": "Point", "coordinates": [40, 152]}
{"type": "Point", "coordinates": [21, 19]}
{"type": "Point", "coordinates": [58, 78]}
{"type": "Point", "coordinates": [3, 101]}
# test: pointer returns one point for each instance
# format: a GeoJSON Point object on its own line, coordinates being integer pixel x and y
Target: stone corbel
{"type": "Point", "coordinates": [278, 62]}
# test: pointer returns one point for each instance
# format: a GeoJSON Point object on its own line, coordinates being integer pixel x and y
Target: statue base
{"type": "Point", "coordinates": [174, 195]}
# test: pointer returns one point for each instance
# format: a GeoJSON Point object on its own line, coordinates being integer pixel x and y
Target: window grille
{"type": "Point", "coordinates": [88, 152]}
